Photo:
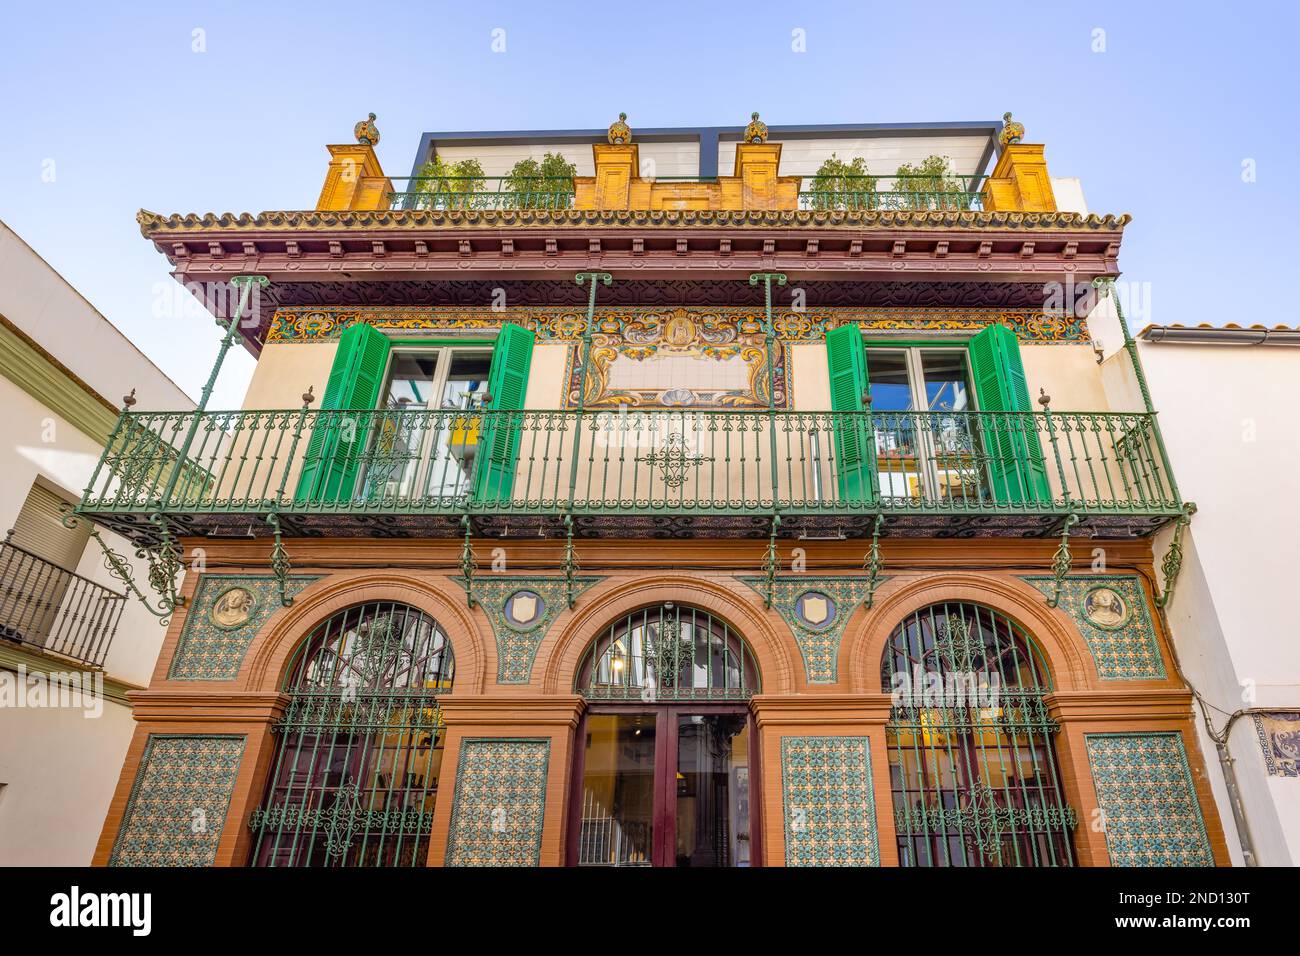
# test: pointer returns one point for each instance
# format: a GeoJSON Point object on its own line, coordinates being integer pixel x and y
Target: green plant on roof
{"type": "Point", "coordinates": [544, 185]}
{"type": "Point", "coordinates": [930, 184]}
{"type": "Point", "coordinates": [443, 185]}
{"type": "Point", "coordinates": [842, 185]}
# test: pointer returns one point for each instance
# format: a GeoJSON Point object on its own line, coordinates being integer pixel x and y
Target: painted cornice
{"type": "Point", "coordinates": [34, 662]}
{"type": "Point", "coordinates": [156, 226]}
{"type": "Point", "coordinates": [47, 380]}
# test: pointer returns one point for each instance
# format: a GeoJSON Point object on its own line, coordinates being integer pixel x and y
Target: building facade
{"type": "Point", "coordinates": [624, 517]}
{"type": "Point", "coordinates": [72, 643]}
{"type": "Point", "coordinates": [1224, 395]}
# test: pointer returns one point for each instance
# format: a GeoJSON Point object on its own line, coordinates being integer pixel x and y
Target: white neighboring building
{"type": "Point", "coordinates": [63, 371]}
{"type": "Point", "coordinates": [1227, 399]}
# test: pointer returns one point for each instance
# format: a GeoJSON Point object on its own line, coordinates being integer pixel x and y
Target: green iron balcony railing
{"type": "Point", "coordinates": [940, 193]}
{"type": "Point", "coordinates": [815, 192]}
{"type": "Point", "coordinates": [482, 192]}
{"type": "Point", "coordinates": [629, 473]}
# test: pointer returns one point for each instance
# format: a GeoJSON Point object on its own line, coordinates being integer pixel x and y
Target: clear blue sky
{"type": "Point", "coordinates": [1158, 125]}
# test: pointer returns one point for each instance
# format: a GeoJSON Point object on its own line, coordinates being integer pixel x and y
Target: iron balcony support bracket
{"type": "Point", "coordinates": [280, 565]}
{"type": "Point", "coordinates": [1062, 560]}
{"type": "Point", "coordinates": [118, 567]}
{"type": "Point", "coordinates": [164, 564]}
{"type": "Point", "coordinates": [1172, 562]}
{"type": "Point", "coordinates": [873, 563]}
{"type": "Point", "coordinates": [468, 566]}
{"type": "Point", "coordinates": [771, 564]}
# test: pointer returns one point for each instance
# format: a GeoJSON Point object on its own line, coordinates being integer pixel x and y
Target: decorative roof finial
{"type": "Point", "coordinates": [756, 131]}
{"type": "Point", "coordinates": [620, 133]}
{"type": "Point", "coordinates": [1012, 132]}
{"type": "Point", "coordinates": [366, 132]}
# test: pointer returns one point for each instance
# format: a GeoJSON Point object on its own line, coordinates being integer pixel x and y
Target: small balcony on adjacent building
{"type": "Point", "coordinates": [48, 608]}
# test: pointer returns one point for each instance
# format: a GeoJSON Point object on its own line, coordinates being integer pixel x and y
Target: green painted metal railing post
{"type": "Point", "coordinates": [595, 278]}
{"type": "Point", "coordinates": [245, 285]}
{"type": "Point", "coordinates": [769, 336]}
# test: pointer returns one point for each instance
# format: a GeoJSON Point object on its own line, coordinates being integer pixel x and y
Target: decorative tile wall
{"type": "Point", "coordinates": [1123, 645]}
{"type": "Point", "coordinates": [818, 637]}
{"type": "Point", "coordinates": [1144, 786]}
{"type": "Point", "coordinates": [500, 802]}
{"type": "Point", "coordinates": [517, 640]}
{"type": "Point", "coordinates": [178, 803]}
{"type": "Point", "coordinates": [212, 650]}
{"type": "Point", "coordinates": [829, 802]}
{"type": "Point", "coordinates": [1279, 738]}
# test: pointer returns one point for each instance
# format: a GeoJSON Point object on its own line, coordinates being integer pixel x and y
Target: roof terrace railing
{"type": "Point", "coordinates": [815, 192]}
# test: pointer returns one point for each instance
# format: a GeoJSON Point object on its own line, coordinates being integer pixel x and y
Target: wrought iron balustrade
{"type": "Point", "coordinates": [939, 193]}
{"type": "Point", "coordinates": [53, 609]}
{"type": "Point", "coordinates": [620, 471]}
{"type": "Point", "coordinates": [945, 193]}
{"type": "Point", "coordinates": [482, 192]}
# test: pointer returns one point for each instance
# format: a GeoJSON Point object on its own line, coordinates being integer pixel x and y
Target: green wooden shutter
{"type": "Point", "coordinates": [855, 451]}
{"type": "Point", "coordinates": [508, 385]}
{"type": "Point", "coordinates": [338, 442]}
{"type": "Point", "coordinates": [1011, 442]}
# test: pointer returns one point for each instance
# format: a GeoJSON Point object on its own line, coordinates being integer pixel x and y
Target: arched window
{"type": "Point", "coordinates": [666, 744]}
{"type": "Point", "coordinates": [359, 748]}
{"type": "Point", "coordinates": [973, 770]}
{"type": "Point", "coordinates": [668, 652]}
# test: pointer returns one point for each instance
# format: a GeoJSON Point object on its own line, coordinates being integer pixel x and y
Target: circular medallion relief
{"type": "Point", "coordinates": [1105, 608]}
{"type": "Point", "coordinates": [524, 608]}
{"type": "Point", "coordinates": [233, 608]}
{"type": "Point", "coordinates": [815, 609]}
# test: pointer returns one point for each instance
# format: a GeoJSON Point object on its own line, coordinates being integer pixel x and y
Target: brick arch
{"type": "Point", "coordinates": [774, 650]}
{"type": "Point", "coordinates": [269, 654]}
{"type": "Point", "coordinates": [1068, 660]}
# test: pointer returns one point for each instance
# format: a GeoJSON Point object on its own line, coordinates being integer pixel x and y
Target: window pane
{"type": "Point", "coordinates": [467, 380]}
{"type": "Point", "coordinates": [947, 388]}
{"type": "Point", "coordinates": [887, 376]}
{"type": "Point", "coordinates": [410, 380]}
{"type": "Point", "coordinates": [618, 791]}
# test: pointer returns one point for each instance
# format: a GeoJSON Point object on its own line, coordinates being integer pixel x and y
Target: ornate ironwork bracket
{"type": "Point", "coordinates": [570, 562]}
{"type": "Point", "coordinates": [1062, 561]}
{"type": "Point", "coordinates": [118, 567]}
{"type": "Point", "coordinates": [770, 565]}
{"type": "Point", "coordinates": [873, 563]}
{"type": "Point", "coordinates": [1172, 562]}
{"type": "Point", "coordinates": [280, 565]}
{"type": "Point", "coordinates": [468, 566]}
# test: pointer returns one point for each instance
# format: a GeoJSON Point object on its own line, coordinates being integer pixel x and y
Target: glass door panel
{"type": "Point", "coordinates": [394, 455]}
{"type": "Point", "coordinates": [451, 459]}
{"type": "Point", "coordinates": [618, 791]}
{"type": "Point", "coordinates": [892, 401]}
{"type": "Point", "coordinates": [712, 790]}
{"type": "Point", "coordinates": [954, 470]}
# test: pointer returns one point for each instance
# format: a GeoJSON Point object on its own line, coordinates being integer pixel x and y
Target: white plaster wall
{"type": "Point", "coordinates": [884, 154]}
{"type": "Point", "coordinates": [40, 302]}
{"type": "Point", "coordinates": [284, 372]}
{"type": "Point", "coordinates": [656, 159]}
{"type": "Point", "coordinates": [1068, 191]}
{"type": "Point", "coordinates": [1227, 417]}
{"type": "Point", "coordinates": [60, 768]}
